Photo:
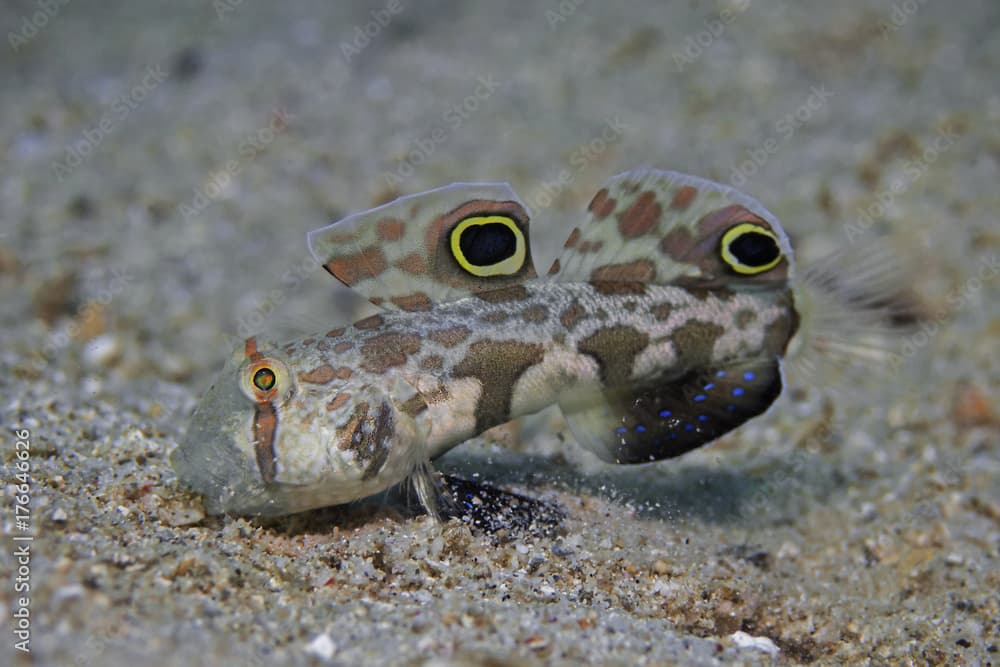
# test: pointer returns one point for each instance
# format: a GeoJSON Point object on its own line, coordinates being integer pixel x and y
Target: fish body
{"type": "Point", "coordinates": [660, 327]}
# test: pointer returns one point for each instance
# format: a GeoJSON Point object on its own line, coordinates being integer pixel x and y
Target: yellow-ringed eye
{"type": "Point", "coordinates": [489, 245]}
{"type": "Point", "coordinates": [748, 248]}
{"type": "Point", "coordinates": [264, 379]}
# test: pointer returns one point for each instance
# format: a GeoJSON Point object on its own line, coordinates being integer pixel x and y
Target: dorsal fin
{"type": "Point", "coordinates": [663, 227]}
{"type": "Point", "coordinates": [432, 247]}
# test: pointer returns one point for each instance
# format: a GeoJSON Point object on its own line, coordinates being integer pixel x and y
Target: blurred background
{"type": "Point", "coordinates": [162, 163]}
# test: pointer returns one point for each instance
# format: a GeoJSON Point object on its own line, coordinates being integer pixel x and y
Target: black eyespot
{"type": "Point", "coordinates": [264, 379]}
{"type": "Point", "coordinates": [754, 249]}
{"type": "Point", "coordinates": [484, 245]}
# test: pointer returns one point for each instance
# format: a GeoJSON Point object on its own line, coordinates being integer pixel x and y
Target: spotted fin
{"type": "Point", "coordinates": [663, 227]}
{"type": "Point", "coordinates": [674, 416]}
{"type": "Point", "coordinates": [432, 247]}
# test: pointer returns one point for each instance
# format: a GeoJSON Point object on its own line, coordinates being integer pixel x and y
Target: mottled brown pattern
{"type": "Point", "coordinates": [495, 317]}
{"type": "Point", "coordinates": [388, 350]}
{"type": "Point", "coordinates": [639, 271]}
{"type": "Point", "coordinates": [601, 206]}
{"type": "Point", "coordinates": [608, 288]}
{"type": "Point", "coordinates": [389, 229]}
{"type": "Point", "coordinates": [338, 400]}
{"type": "Point", "coordinates": [573, 239]}
{"type": "Point", "coordinates": [535, 314]}
{"type": "Point", "coordinates": [418, 301]}
{"type": "Point", "coordinates": [413, 263]}
{"type": "Point", "coordinates": [683, 197]}
{"type": "Point", "coordinates": [505, 294]}
{"type": "Point", "coordinates": [497, 365]}
{"type": "Point", "coordinates": [343, 346]}
{"type": "Point", "coordinates": [368, 437]}
{"type": "Point", "coordinates": [319, 375]}
{"type": "Point", "coordinates": [323, 345]}
{"type": "Point", "coordinates": [677, 243]}
{"type": "Point", "coordinates": [452, 336]}
{"type": "Point", "coordinates": [694, 342]}
{"type": "Point", "coordinates": [780, 332]}
{"type": "Point", "coordinates": [343, 373]}
{"type": "Point", "coordinates": [336, 333]}
{"type": "Point", "coordinates": [640, 217]}
{"type": "Point", "coordinates": [589, 247]}
{"type": "Point", "coordinates": [372, 322]}
{"type": "Point", "coordinates": [661, 311]}
{"type": "Point", "coordinates": [574, 313]}
{"type": "Point", "coordinates": [432, 362]}
{"type": "Point", "coordinates": [349, 269]}
{"type": "Point", "coordinates": [414, 405]}
{"type": "Point", "coordinates": [744, 318]}
{"type": "Point", "coordinates": [614, 349]}
{"type": "Point", "coordinates": [554, 269]}
{"type": "Point", "coordinates": [308, 341]}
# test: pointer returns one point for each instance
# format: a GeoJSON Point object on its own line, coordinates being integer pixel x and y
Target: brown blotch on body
{"type": "Point", "coordinates": [388, 350]}
{"type": "Point", "coordinates": [614, 349]}
{"type": "Point", "coordinates": [351, 268]}
{"type": "Point", "coordinates": [319, 375]}
{"type": "Point", "coordinates": [662, 311]}
{"type": "Point", "coordinates": [308, 341]}
{"type": "Point", "coordinates": [495, 317]}
{"type": "Point", "coordinates": [372, 322]}
{"type": "Point", "coordinates": [556, 266]}
{"type": "Point", "coordinates": [573, 239]}
{"type": "Point", "coordinates": [640, 217]}
{"type": "Point", "coordinates": [418, 301]}
{"type": "Point", "coordinates": [694, 342]}
{"type": "Point", "coordinates": [368, 437]}
{"type": "Point", "coordinates": [683, 197]}
{"type": "Point", "coordinates": [338, 401]}
{"type": "Point", "coordinates": [265, 425]}
{"type": "Point", "coordinates": [450, 337]}
{"type": "Point", "coordinates": [389, 229]}
{"type": "Point", "coordinates": [432, 362]}
{"type": "Point", "coordinates": [505, 294]}
{"type": "Point", "coordinates": [414, 405]}
{"type": "Point", "coordinates": [744, 318]}
{"type": "Point", "coordinates": [601, 206]}
{"type": "Point", "coordinates": [343, 346]}
{"type": "Point", "coordinates": [336, 333]}
{"type": "Point", "coordinates": [497, 365]}
{"type": "Point", "coordinates": [535, 314]}
{"type": "Point", "coordinates": [573, 314]}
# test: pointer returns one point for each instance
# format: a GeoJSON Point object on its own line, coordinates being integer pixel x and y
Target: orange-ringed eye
{"type": "Point", "coordinates": [264, 379]}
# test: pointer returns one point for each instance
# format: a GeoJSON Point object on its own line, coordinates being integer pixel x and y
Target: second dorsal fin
{"type": "Point", "coordinates": [432, 247]}
{"type": "Point", "coordinates": [664, 227]}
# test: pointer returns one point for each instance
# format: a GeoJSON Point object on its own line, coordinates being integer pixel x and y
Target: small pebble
{"type": "Point", "coordinates": [322, 647]}
{"type": "Point", "coordinates": [763, 644]}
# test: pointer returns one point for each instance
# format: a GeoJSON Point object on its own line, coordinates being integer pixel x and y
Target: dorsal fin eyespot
{"type": "Point", "coordinates": [432, 247]}
{"type": "Point", "coordinates": [684, 219]}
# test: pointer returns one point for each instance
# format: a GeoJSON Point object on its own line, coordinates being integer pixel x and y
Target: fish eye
{"type": "Point", "coordinates": [264, 379]}
{"type": "Point", "coordinates": [749, 248]}
{"type": "Point", "coordinates": [489, 245]}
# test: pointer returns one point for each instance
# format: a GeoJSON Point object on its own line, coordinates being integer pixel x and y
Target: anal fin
{"type": "Point", "coordinates": [665, 419]}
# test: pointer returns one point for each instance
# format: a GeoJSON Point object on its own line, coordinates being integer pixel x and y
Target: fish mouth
{"type": "Point", "coordinates": [210, 460]}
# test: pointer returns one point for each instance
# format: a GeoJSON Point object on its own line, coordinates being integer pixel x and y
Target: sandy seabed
{"type": "Point", "coordinates": [162, 164]}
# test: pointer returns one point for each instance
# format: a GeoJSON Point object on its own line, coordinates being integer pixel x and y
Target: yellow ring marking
{"type": "Point", "coordinates": [734, 263]}
{"type": "Point", "coordinates": [505, 267]}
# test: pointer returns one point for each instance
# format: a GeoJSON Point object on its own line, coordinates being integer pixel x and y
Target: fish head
{"type": "Point", "coordinates": [277, 434]}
